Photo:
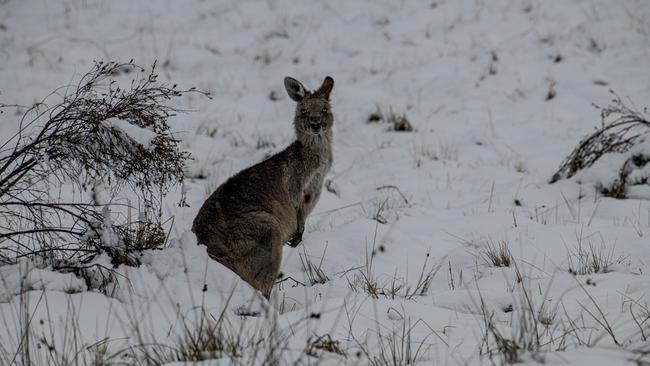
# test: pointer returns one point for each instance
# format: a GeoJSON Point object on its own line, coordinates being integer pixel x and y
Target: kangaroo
{"type": "Point", "coordinates": [248, 219]}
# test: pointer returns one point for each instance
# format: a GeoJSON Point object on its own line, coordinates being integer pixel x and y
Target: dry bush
{"type": "Point", "coordinates": [85, 143]}
{"type": "Point", "coordinates": [621, 128]}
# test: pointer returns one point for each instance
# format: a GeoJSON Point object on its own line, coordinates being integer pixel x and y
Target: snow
{"type": "Point", "coordinates": [23, 276]}
{"type": "Point", "coordinates": [471, 76]}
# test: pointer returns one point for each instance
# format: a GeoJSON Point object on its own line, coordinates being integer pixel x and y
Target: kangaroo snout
{"type": "Point", "coordinates": [315, 123]}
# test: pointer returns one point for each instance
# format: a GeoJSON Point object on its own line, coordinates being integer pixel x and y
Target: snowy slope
{"type": "Point", "coordinates": [472, 77]}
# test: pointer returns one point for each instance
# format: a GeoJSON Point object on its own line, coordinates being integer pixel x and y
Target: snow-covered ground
{"type": "Point", "coordinates": [472, 77]}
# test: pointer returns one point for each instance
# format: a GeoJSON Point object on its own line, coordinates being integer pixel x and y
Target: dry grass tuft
{"type": "Point", "coordinates": [315, 273]}
{"type": "Point", "coordinates": [497, 254]}
{"type": "Point", "coordinates": [324, 343]}
{"type": "Point", "coordinates": [397, 347]}
{"type": "Point", "coordinates": [592, 259]}
{"type": "Point", "coordinates": [397, 121]}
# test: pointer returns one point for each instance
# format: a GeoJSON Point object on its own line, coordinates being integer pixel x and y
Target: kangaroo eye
{"type": "Point", "coordinates": [303, 111]}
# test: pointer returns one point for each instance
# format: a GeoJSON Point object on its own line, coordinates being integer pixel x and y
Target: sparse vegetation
{"type": "Point", "coordinates": [444, 151]}
{"type": "Point", "coordinates": [458, 107]}
{"type": "Point", "coordinates": [209, 338]}
{"type": "Point", "coordinates": [194, 336]}
{"type": "Point", "coordinates": [364, 281]}
{"type": "Point", "coordinates": [397, 348]}
{"type": "Point", "coordinates": [37, 340]}
{"type": "Point", "coordinates": [532, 331]}
{"type": "Point", "coordinates": [589, 259]}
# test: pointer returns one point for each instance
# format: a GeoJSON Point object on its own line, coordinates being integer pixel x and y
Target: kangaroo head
{"type": "Point", "coordinates": [313, 114]}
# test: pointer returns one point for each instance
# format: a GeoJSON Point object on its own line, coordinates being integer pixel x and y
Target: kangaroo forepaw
{"type": "Point", "coordinates": [295, 240]}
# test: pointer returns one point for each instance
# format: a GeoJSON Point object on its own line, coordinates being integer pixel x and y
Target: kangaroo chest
{"type": "Point", "coordinates": [321, 165]}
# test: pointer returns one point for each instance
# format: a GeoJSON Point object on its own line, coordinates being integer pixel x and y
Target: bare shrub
{"type": "Point", "coordinates": [621, 128]}
{"type": "Point", "coordinates": [103, 137]}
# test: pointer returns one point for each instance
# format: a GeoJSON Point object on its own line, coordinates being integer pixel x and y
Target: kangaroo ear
{"type": "Point", "coordinates": [295, 89]}
{"type": "Point", "coordinates": [326, 88]}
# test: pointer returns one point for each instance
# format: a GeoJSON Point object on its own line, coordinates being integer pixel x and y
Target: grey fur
{"type": "Point", "coordinates": [248, 219]}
